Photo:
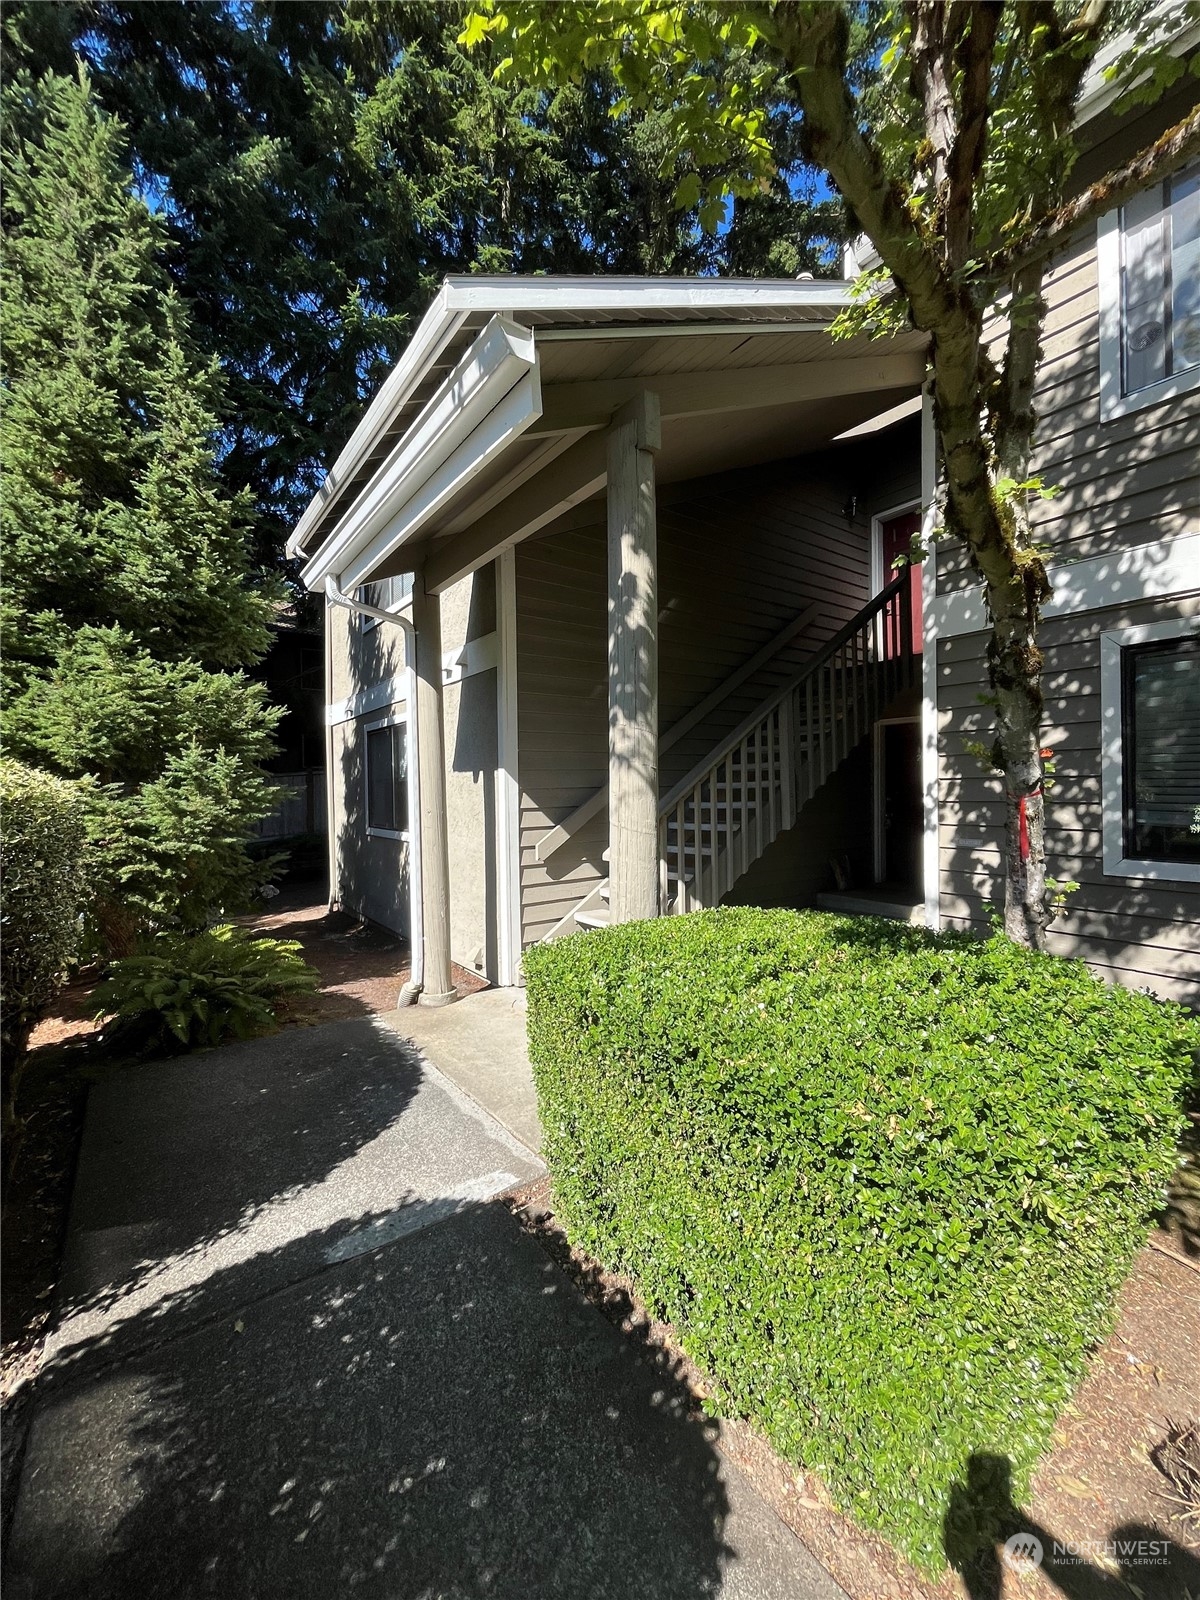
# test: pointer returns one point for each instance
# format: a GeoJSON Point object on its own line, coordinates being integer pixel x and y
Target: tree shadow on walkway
{"type": "Point", "coordinates": [446, 1415]}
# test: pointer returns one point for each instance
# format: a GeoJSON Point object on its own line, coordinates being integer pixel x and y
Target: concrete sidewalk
{"type": "Point", "coordinates": [479, 1044]}
{"type": "Point", "coordinates": [305, 1351]}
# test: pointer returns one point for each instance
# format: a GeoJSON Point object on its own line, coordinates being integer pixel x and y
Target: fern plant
{"type": "Point", "coordinates": [186, 990]}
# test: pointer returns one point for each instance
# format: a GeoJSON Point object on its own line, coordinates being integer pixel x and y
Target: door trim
{"type": "Point", "coordinates": [906, 508]}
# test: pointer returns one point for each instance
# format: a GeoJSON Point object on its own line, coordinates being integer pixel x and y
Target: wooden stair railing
{"type": "Point", "coordinates": [556, 837]}
{"type": "Point", "coordinates": [725, 813]}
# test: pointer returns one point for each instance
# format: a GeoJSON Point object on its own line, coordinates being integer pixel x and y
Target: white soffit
{"type": "Point", "coordinates": [681, 303]}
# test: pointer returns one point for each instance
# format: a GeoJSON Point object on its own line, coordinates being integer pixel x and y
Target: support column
{"type": "Point", "coordinates": [633, 439]}
{"type": "Point", "coordinates": [431, 755]}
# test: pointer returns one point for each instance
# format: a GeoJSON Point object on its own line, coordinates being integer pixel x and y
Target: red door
{"type": "Point", "coordinates": [896, 538]}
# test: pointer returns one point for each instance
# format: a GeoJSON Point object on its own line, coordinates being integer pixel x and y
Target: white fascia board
{"type": "Point", "coordinates": [1146, 572]}
{"type": "Point", "coordinates": [436, 328]}
{"type": "Point", "coordinates": [500, 360]}
{"type": "Point", "coordinates": [519, 408]}
{"type": "Point", "coordinates": [1098, 92]}
{"type": "Point", "coordinates": [600, 294]}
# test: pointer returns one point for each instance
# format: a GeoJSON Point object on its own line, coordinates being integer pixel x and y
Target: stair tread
{"type": "Point", "coordinates": [599, 918]}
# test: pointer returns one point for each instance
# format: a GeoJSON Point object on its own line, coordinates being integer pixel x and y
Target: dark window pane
{"type": "Point", "coordinates": [1161, 712]}
{"type": "Point", "coordinates": [381, 779]}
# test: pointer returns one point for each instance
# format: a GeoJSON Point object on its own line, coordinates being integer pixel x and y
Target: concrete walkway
{"type": "Point", "coordinates": [479, 1044]}
{"type": "Point", "coordinates": [304, 1351]}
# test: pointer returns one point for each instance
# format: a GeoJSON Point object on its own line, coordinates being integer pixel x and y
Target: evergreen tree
{"type": "Point", "coordinates": [320, 167]}
{"type": "Point", "coordinates": [128, 601]}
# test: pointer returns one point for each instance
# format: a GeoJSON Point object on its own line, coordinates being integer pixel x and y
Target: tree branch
{"type": "Point", "coordinates": [929, 82]}
{"type": "Point", "coordinates": [974, 53]}
{"type": "Point", "coordinates": [1174, 149]}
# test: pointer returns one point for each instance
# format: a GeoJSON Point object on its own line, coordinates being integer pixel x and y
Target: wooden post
{"type": "Point", "coordinates": [438, 987]}
{"type": "Point", "coordinates": [633, 438]}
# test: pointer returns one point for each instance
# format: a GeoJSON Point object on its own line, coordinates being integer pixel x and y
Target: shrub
{"type": "Point", "coordinates": [42, 820]}
{"type": "Point", "coordinates": [188, 990]}
{"type": "Point", "coordinates": [884, 1183]}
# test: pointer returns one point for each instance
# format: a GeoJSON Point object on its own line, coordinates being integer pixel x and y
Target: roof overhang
{"type": "Point", "coordinates": [494, 422]}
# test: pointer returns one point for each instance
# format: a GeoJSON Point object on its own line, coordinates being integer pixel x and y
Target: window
{"type": "Point", "coordinates": [1150, 692]}
{"type": "Point", "coordinates": [1160, 715]}
{"type": "Point", "coordinates": [385, 595]}
{"type": "Point", "coordinates": [387, 774]}
{"type": "Point", "coordinates": [1149, 264]}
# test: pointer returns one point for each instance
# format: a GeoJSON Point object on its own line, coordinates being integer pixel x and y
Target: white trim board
{"type": "Point", "coordinates": [930, 853]}
{"type": "Point", "coordinates": [508, 792]}
{"type": "Point", "coordinates": [1159, 571]}
{"type": "Point", "coordinates": [477, 655]}
{"type": "Point", "coordinates": [1112, 770]}
{"type": "Point", "coordinates": [878, 518]}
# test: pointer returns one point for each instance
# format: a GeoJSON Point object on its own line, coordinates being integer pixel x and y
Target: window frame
{"type": "Point", "coordinates": [1114, 402]}
{"type": "Point", "coordinates": [367, 623]}
{"type": "Point", "coordinates": [396, 719]}
{"type": "Point", "coordinates": [1114, 777]}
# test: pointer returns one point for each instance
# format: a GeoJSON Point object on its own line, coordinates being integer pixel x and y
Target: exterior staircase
{"type": "Point", "coordinates": [730, 808]}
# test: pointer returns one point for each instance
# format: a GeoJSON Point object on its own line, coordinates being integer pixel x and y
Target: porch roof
{"type": "Point", "coordinates": [492, 424]}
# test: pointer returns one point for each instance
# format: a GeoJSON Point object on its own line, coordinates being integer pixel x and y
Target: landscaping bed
{"type": "Point", "coordinates": [883, 1185]}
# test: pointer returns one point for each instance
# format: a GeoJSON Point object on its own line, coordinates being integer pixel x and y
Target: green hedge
{"type": "Point", "coordinates": [885, 1184]}
{"type": "Point", "coordinates": [42, 824]}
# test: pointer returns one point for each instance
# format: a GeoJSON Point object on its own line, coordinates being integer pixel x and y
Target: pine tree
{"type": "Point", "coordinates": [129, 603]}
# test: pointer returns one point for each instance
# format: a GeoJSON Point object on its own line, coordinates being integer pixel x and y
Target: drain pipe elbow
{"type": "Point", "coordinates": [416, 916]}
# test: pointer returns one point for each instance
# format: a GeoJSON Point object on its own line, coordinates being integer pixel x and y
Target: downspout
{"type": "Point", "coordinates": [331, 844]}
{"type": "Point", "coordinates": [416, 920]}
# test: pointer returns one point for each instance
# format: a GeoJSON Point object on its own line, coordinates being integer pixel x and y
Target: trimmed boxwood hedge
{"type": "Point", "coordinates": [884, 1183]}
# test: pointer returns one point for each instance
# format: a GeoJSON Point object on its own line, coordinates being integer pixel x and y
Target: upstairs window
{"type": "Point", "coordinates": [1149, 262]}
{"type": "Point", "coordinates": [385, 595]}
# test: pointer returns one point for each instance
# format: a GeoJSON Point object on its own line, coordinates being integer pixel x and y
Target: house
{"type": "Point", "coordinates": [614, 626]}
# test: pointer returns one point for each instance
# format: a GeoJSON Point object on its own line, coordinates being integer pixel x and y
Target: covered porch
{"type": "Point", "coordinates": [575, 436]}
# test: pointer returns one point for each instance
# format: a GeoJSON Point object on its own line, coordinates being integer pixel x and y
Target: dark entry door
{"type": "Point", "coordinates": [895, 539]}
{"type": "Point", "coordinates": [903, 821]}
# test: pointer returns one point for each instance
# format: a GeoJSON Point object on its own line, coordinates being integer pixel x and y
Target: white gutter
{"type": "Point", "coordinates": [416, 911]}
{"type": "Point", "coordinates": [435, 330]}
{"type": "Point", "coordinates": [1098, 90]}
{"type": "Point", "coordinates": [493, 392]}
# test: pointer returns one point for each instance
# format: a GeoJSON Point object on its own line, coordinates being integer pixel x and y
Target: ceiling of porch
{"type": "Point", "coordinates": [739, 385]}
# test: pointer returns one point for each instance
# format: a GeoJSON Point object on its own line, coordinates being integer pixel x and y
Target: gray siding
{"type": "Point", "coordinates": [1124, 483]}
{"type": "Point", "coordinates": [372, 872]}
{"type": "Point", "coordinates": [1127, 482]}
{"type": "Point", "coordinates": [1135, 931]}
